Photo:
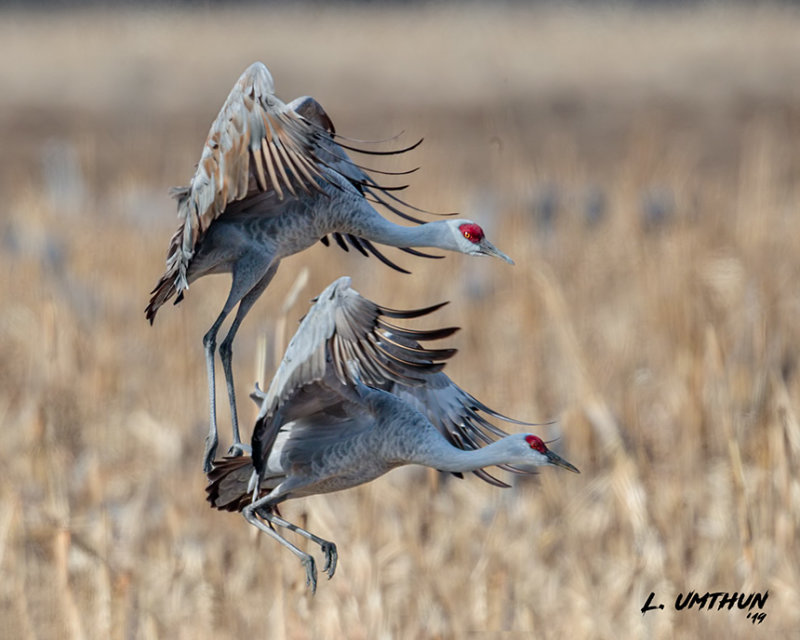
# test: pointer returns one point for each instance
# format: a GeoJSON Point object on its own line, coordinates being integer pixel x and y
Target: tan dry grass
{"type": "Point", "coordinates": [668, 354]}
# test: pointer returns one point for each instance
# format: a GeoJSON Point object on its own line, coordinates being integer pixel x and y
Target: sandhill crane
{"type": "Point", "coordinates": [321, 428]}
{"type": "Point", "coordinates": [271, 181]}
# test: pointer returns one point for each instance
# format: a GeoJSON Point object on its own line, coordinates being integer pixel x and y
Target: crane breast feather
{"type": "Point", "coordinates": [322, 432]}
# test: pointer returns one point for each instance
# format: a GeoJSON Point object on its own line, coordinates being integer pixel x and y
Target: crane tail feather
{"type": "Point", "coordinates": [228, 481]}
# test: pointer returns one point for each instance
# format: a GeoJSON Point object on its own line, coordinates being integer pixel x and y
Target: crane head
{"type": "Point", "coordinates": [543, 455]}
{"type": "Point", "coordinates": [471, 239]}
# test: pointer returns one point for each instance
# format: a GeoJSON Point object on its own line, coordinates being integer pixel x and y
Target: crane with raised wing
{"type": "Point", "coordinates": [354, 397]}
{"type": "Point", "coordinates": [272, 180]}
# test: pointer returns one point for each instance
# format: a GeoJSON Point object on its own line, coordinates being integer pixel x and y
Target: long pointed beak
{"type": "Point", "coordinates": [488, 249]}
{"type": "Point", "coordinates": [558, 461]}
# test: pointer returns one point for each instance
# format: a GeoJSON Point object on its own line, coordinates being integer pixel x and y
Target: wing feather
{"type": "Point", "coordinates": [258, 159]}
{"type": "Point", "coordinates": [458, 415]}
{"type": "Point", "coordinates": [281, 160]}
{"type": "Point", "coordinates": [266, 151]}
{"type": "Point", "coordinates": [252, 121]}
{"type": "Point", "coordinates": [342, 326]}
{"type": "Point", "coordinates": [259, 145]}
{"type": "Point", "coordinates": [313, 396]}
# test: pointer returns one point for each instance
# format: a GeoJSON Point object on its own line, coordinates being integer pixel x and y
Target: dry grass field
{"type": "Point", "coordinates": [643, 169]}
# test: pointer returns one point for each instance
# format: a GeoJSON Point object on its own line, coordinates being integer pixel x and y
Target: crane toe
{"type": "Point", "coordinates": [311, 573]}
{"type": "Point", "coordinates": [331, 558]}
{"type": "Point", "coordinates": [239, 449]}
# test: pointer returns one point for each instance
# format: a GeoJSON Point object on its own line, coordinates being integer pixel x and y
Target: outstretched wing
{"type": "Point", "coordinates": [332, 154]}
{"type": "Point", "coordinates": [257, 143]}
{"type": "Point", "coordinates": [460, 417]}
{"type": "Point", "coordinates": [258, 146]}
{"type": "Point", "coordinates": [342, 326]}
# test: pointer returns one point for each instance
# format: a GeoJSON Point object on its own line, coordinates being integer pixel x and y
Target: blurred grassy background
{"type": "Point", "coordinates": [641, 167]}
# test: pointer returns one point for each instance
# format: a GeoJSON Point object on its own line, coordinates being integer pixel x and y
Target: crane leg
{"type": "Point", "coordinates": [246, 277]}
{"type": "Point", "coordinates": [226, 353]}
{"type": "Point", "coordinates": [249, 512]}
{"type": "Point", "coordinates": [327, 547]}
{"type": "Point", "coordinates": [210, 343]}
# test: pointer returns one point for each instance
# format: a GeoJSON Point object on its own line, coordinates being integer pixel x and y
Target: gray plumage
{"type": "Point", "coordinates": [354, 397]}
{"type": "Point", "coordinates": [272, 180]}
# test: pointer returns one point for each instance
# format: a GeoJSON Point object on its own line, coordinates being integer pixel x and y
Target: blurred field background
{"type": "Point", "coordinates": [643, 169]}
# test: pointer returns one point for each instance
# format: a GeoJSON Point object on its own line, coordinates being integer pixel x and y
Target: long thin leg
{"type": "Point", "coordinates": [327, 547]}
{"type": "Point", "coordinates": [226, 352]}
{"type": "Point", "coordinates": [210, 343]}
{"type": "Point", "coordinates": [246, 275]}
{"type": "Point", "coordinates": [308, 561]}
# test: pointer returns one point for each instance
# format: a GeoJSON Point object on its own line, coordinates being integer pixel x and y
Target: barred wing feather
{"type": "Point", "coordinates": [341, 327]}
{"type": "Point", "coordinates": [257, 143]}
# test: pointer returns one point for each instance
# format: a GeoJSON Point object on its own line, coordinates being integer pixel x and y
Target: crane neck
{"type": "Point", "coordinates": [377, 229]}
{"type": "Point", "coordinates": [410, 438]}
{"type": "Point", "coordinates": [441, 455]}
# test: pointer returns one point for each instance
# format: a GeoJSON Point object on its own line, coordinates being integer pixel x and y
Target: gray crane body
{"type": "Point", "coordinates": [344, 408]}
{"type": "Point", "coordinates": [255, 234]}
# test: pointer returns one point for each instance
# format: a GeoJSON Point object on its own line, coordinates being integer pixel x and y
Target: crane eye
{"type": "Point", "coordinates": [471, 232]}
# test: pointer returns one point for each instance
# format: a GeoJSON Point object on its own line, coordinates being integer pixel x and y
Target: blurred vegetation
{"type": "Point", "coordinates": [640, 167]}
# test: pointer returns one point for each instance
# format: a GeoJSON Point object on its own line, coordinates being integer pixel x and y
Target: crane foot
{"type": "Point", "coordinates": [331, 558]}
{"type": "Point", "coordinates": [238, 449]}
{"type": "Point", "coordinates": [311, 573]}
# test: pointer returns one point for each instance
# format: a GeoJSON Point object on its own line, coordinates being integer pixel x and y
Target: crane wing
{"type": "Point", "coordinates": [333, 155]}
{"type": "Point", "coordinates": [256, 144]}
{"type": "Point", "coordinates": [341, 326]}
{"type": "Point", "coordinates": [255, 138]}
{"type": "Point", "coordinates": [257, 149]}
{"type": "Point", "coordinates": [459, 416]}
